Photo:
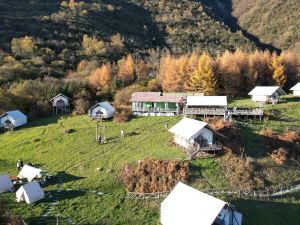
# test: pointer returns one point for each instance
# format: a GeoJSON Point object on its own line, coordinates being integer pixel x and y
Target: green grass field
{"type": "Point", "coordinates": [76, 156]}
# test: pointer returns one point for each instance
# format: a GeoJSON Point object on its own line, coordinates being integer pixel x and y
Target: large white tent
{"type": "Point", "coordinates": [5, 183]}
{"type": "Point", "coordinates": [296, 89]}
{"type": "Point", "coordinates": [29, 172]}
{"type": "Point", "coordinates": [188, 206]}
{"type": "Point", "coordinates": [266, 93]}
{"type": "Point", "coordinates": [103, 110]}
{"type": "Point", "coordinates": [208, 101]}
{"type": "Point", "coordinates": [188, 130]}
{"type": "Point", "coordinates": [30, 193]}
{"type": "Point", "coordinates": [14, 118]}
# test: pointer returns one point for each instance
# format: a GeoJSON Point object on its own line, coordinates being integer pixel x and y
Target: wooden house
{"type": "Point", "coordinates": [158, 103]}
{"type": "Point", "coordinates": [12, 119]}
{"type": "Point", "coordinates": [267, 94]}
{"type": "Point", "coordinates": [60, 104]}
{"type": "Point", "coordinates": [188, 206]}
{"type": "Point", "coordinates": [296, 90]}
{"type": "Point", "coordinates": [195, 136]}
{"type": "Point", "coordinates": [102, 110]}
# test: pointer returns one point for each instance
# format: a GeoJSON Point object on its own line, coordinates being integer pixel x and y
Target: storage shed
{"type": "Point", "coordinates": [60, 104]}
{"type": "Point", "coordinates": [188, 206]}
{"type": "Point", "coordinates": [12, 119]}
{"type": "Point", "coordinates": [102, 110]}
{"type": "Point", "coordinates": [5, 184]}
{"type": "Point", "coordinates": [30, 193]}
{"type": "Point", "coordinates": [267, 94]}
{"type": "Point", "coordinates": [296, 90]}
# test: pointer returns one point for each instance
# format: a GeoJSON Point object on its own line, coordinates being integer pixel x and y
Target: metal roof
{"type": "Point", "coordinates": [266, 90]}
{"type": "Point", "coordinates": [155, 97]}
{"type": "Point", "coordinates": [207, 101]}
{"type": "Point", "coordinates": [60, 94]}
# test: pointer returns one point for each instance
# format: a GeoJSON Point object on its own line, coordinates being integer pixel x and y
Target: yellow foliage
{"type": "Point", "coordinates": [101, 79]}
{"type": "Point", "coordinates": [126, 69]}
{"type": "Point", "coordinates": [278, 70]}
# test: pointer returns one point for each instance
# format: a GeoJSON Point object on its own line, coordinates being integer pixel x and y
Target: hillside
{"type": "Point", "coordinates": [273, 21]}
{"type": "Point", "coordinates": [57, 29]}
{"type": "Point", "coordinates": [82, 169]}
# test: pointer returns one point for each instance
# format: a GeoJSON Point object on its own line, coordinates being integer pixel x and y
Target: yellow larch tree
{"type": "Point", "coordinates": [278, 70]}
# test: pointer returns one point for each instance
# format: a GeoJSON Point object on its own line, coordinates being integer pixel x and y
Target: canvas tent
{"type": "Point", "coordinates": [206, 101]}
{"type": "Point", "coordinates": [266, 94]}
{"type": "Point", "coordinates": [5, 183]}
{"type": "Point", "coordinates": [296, 90]}
{"type": "Point", "coordinates": [12, 119]}
{"type": "Point", "coordinates": [189, 132]}
{"type": "Point", "coordinates": [29, 172]}
{"type": "Point", "coordinates": [30, 193]}
{"type": "Point", "coordinates": [102, 110]}
{"type": "Point", "coordinates": [188, 206]}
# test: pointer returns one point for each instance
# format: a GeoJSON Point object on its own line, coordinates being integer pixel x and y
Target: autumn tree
{"type": "Point", "coordinates": [101, 79]}
{"type": "Point", "coordinates": [92, 46]}
{"type": "Point", "coordinates": [24, 47]}
{"type": "Point", "coordinates": [278, 70]}
{"type": "Point", "coordinates": [143, 71]}
{"type": "Point", "coordinates": [126, 72]}
{"type": "Point", "coordinates": [202, 79]}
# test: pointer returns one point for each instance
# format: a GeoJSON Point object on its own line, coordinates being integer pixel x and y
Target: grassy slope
{"type": "Point", "coordinates": [45, 144]}
{"type": "Point", "coordinates": [272, 21]}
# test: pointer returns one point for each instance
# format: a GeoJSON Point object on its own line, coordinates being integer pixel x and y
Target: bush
{"type": "Point", "coordinates": [122, 115]}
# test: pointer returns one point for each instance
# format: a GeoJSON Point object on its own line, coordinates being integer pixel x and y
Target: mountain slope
{"type": "Point", "coordinates": [275, 22]}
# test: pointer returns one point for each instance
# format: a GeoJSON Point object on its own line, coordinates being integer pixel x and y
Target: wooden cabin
{"type": "Point", "coordinates": [60, 104]}
{"type": "Point", "coordinates": [195, 136]}
{"type": "Point", "coordinates": [102, 110]}
{"type": "Point", "coordinates": [12, 119]}
{"type": "Point", "coordinates": [188, 206]}
{"type": "Point", "coordinates": [267, 94]}
{"type": "Point", "coordinates": [158, 103]}
{"type": "Point", "coordinates": [296, 90]}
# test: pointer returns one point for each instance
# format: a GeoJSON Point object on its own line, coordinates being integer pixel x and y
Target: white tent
{"type": "Point", "coordinates": [266, 93]}
{"type": "Point", "coordinates": [29, 172]}
{"type": "Point", "coordinates": [15, 118]}
{"type": "Point", "coordinates": [30, 193]}
{"type": "Point", "coordinates": [5, 183]}
{"type": "Point", "coordinates": [188, 130]}
{"type": "Point", "coordinates": [102, 109]}
{"type": "Point", "coordinates": [60, 99]}
{"type": "Point", "coordinates": [296, 89]}
{"type": "Point", "coordinates": [220, 101]}
{"type": "Point", "coordinates": [188, 206]}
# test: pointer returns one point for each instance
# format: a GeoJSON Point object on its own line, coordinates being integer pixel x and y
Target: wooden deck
{"type": "Point", "coordinates": [223, 112]}
{"type": "Point", "coordinates": [192, 152]}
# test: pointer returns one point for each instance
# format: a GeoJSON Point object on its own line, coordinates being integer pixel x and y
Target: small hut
{"type": "Point", "coordinates": [267, 94]}
{"type": "Point", "coordinates": [30, 193]}
{"type": "Point", "coordinates": [102, 110]}
{"type": "Point", "coordinates": [296, 90]}
{"type": "Point", "coordinates": [60, 104]}
{"type": "Point", "coordinates": [12, 119]}
{"type": "Point", "coordinates": [188, 206]}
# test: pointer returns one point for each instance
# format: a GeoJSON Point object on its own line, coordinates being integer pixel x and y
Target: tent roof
{"type": "Point", "coordinates": [187, 127]}
{"type": "Point", "coordinates": [60, 94]}
{"type": "Point", "coordinates": [16, 114]}
{"type": "Point", "coordinates": [104, 105]}
{"type": "Point", "coordinates": [296, 87]}
{"type": "Point", "coordinates": [194, 206]}
{"type": "Point", "coordinates": [156, 97]}
{"type": "Point", "coordinates": [5, 183]}
{"type": "Point", "coordinates": [266, 90]}
{"type": "Point", "coordinates": [207, 101]}
{"type": "Point", "coordinates": [29, 172]}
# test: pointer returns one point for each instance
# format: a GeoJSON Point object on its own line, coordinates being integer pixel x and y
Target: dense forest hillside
{"type": "Point", "coordinates": [275, 22]}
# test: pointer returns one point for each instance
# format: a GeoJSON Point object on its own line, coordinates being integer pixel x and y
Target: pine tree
{"type": "Point", "coordinates": [278, 70]}
{"type": "Point", "coordinates": [101, 79]}
{"type": "Point", "coordinates": [126, 71]}
{"type": "Point", "coordinates": [202, 78]}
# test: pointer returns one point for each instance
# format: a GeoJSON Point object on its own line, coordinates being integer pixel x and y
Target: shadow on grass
{"type": "Point", "coordinates": [61, 178]}
{"type": "Point", "coordinates": [268, 212]}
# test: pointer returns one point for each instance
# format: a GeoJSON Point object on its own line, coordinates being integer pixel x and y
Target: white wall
{"type": "Point", "coordinates": [66, 101]}
{"type": "Point", "coordinates": [296, 93]}
{"type": "Point", "coordinates": [106, 113]}
{"type": "Point", "coordinates": [259, 98]}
